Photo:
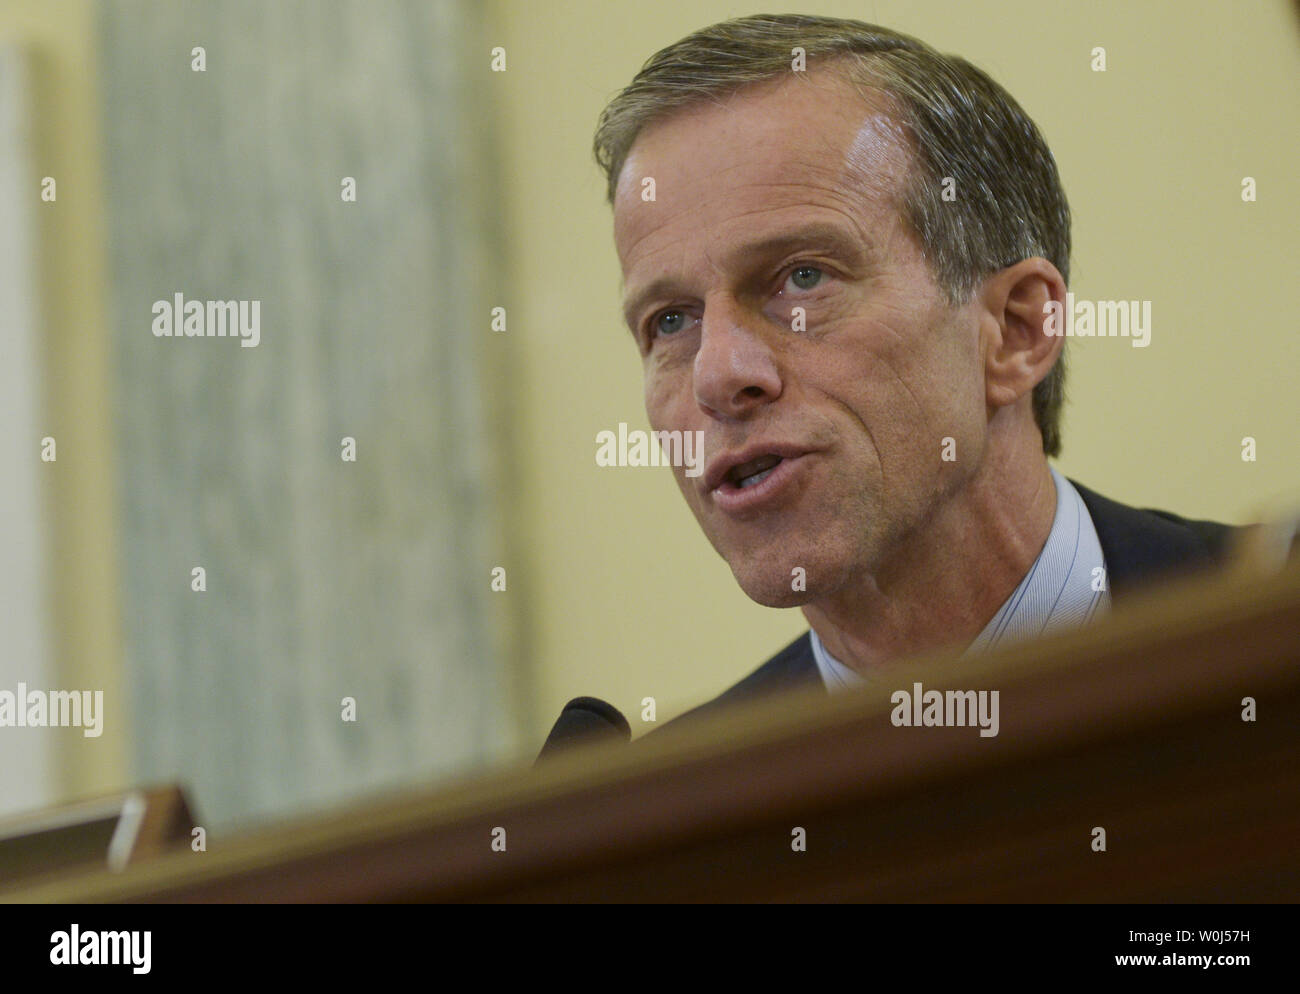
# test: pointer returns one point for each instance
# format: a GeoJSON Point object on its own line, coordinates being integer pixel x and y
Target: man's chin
{"type": "Point", "coordinates": [770, 589]}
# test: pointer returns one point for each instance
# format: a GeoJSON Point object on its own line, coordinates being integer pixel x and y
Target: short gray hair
{"type": "Point", "coordinates": [1010, 204]}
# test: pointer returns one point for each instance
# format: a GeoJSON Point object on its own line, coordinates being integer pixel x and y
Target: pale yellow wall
{"type": "Point", "coordinates": [58, 37]}
{"type": "Point", "coordinates": [626, 597]}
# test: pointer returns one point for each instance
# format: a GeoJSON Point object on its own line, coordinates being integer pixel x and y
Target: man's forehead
{"type": "Point", "coordinates": [819, 140]}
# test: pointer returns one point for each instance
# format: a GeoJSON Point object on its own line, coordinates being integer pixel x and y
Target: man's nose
{"type": "Point", "coordinates": [735, 368]}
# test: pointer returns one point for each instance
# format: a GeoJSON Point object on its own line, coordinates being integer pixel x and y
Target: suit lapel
{"type": "Point", "coordinates": [1141, 545]}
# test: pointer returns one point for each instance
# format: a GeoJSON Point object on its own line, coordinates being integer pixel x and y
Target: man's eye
{"type": "Point", "coordinates": [806, 277]}
{"type": "Point", "coordinates": [668, 322]}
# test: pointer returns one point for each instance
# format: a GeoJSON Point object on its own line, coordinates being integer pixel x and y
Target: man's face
{"type": "Point", "coordinates": [786, 197]}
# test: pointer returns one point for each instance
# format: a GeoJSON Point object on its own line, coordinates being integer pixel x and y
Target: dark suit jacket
{"type": "Point", "coordinates": [1139, 546]}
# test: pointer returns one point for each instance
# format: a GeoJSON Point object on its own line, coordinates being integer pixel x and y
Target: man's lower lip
{"type": "Point", "coordinates": [732, 499]}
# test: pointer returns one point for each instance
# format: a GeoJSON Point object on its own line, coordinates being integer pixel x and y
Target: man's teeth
{"type": "Point", "coordinates": [749, 481]}
{"type": "Point", "coordinates": [758, 469]}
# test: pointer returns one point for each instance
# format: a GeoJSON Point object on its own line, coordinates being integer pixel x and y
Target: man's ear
{"type": "Point", "coordinates": [1018, 345]}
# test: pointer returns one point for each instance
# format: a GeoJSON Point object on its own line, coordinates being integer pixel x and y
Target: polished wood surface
{"type": "Point", "coordinates": [1133, 725]}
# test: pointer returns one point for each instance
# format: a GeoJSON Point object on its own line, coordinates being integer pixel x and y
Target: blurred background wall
{"type": "Point", "coordinates": [26, 645]}
{"type": "Point", "coordinates": [72, 595]}
{"type": "Point", "coordinates": [228, 137]}
{"type": "Point", "coordinates": [476, 189]}
{"type": "Point", "coordinates": [326, 578]}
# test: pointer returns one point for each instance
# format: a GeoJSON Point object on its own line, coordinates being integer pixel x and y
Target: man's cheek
{"type": "Point", "coordinates": [658, 401]}
{"type": "Point", "coordinates": [670, 409]}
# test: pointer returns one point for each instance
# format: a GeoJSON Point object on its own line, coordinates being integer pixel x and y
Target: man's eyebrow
{"type": "Point", "coordinates": [833, 238]}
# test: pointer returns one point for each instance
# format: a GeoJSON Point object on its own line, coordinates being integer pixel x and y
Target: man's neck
{"type": "Point", "coordinates": [945, 584]}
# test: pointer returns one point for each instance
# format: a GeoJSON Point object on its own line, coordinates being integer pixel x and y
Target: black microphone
{"type": "Point", "coordinates": [585, 720]}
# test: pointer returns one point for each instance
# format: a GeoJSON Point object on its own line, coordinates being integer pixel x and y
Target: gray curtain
{"type": "Point", "coordinates": [325, 579]}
